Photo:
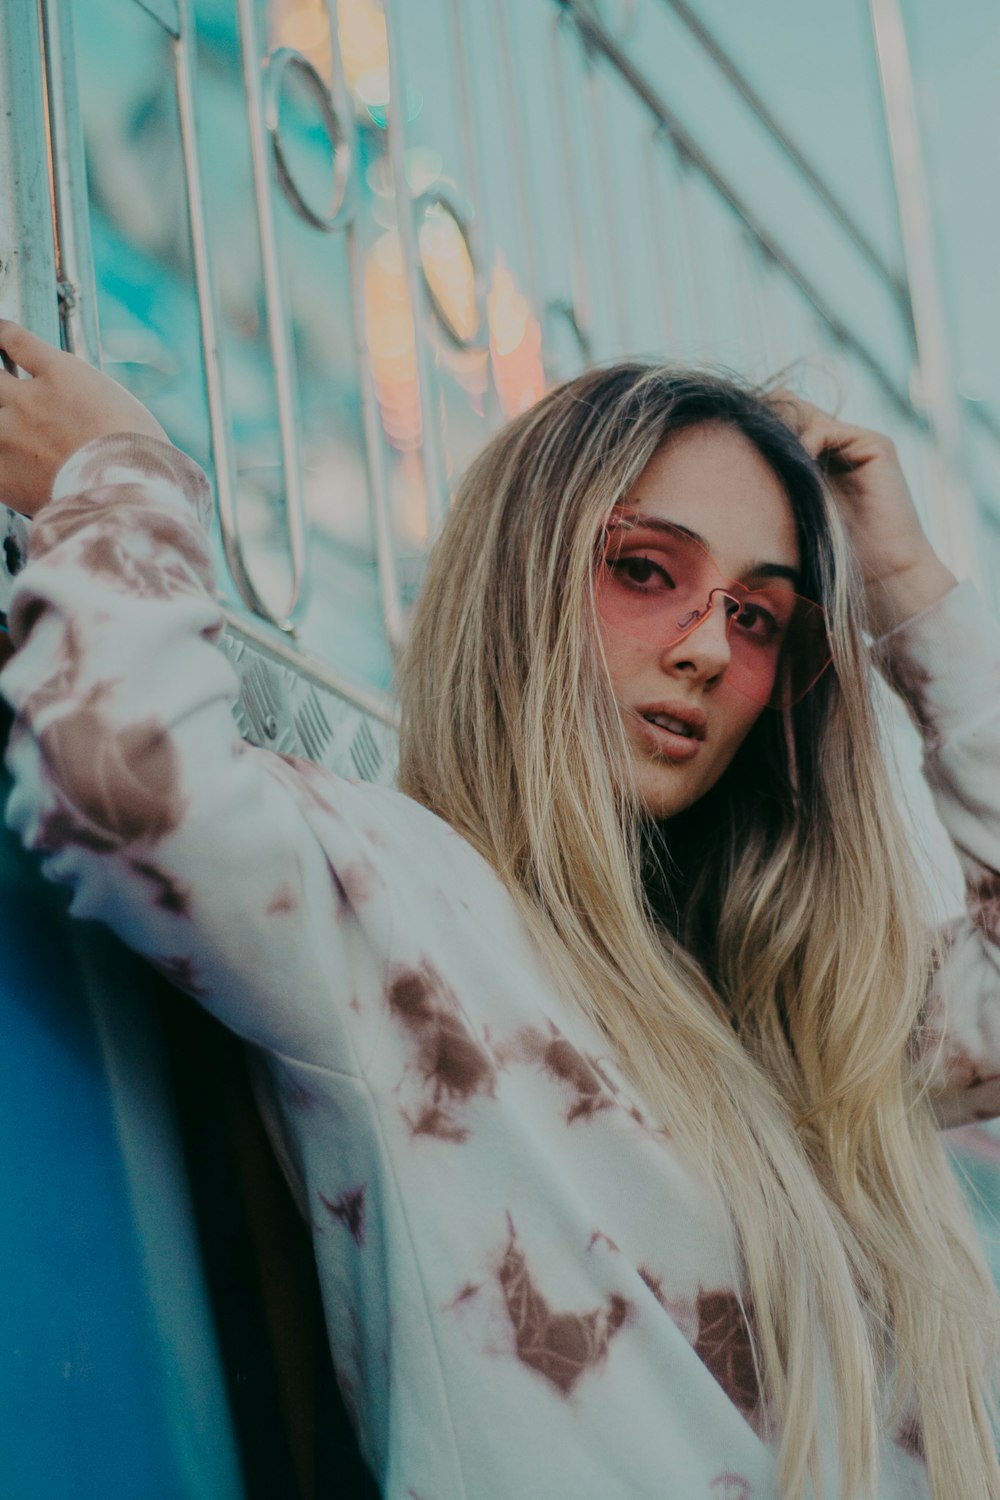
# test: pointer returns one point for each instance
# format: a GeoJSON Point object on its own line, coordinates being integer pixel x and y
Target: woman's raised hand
{"type": "Point", "coordinates": [47, 417]}
{"type": "Point", "coordinates": [902, 572]}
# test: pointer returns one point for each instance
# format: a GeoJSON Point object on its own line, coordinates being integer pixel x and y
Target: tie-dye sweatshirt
{"type": "Point", "coordinates": [529, 1293]}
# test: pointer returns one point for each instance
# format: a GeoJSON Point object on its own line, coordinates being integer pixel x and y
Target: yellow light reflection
{"type": "Point", "coordinates": [515, 343]}
{"type": "Point", "coordinates": [304, 26]}
{"type": "Point", "coordinates": [364, 49]}
{"type": "Point", "coordinates": [448, 267]}
{"type": "Point", "coordinates": [391, 342]}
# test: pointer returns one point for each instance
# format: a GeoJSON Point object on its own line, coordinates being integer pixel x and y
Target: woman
{"type": "Point", "coordinates": [604, 1051]}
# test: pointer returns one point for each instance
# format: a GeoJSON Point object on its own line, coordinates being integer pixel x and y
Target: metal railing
{"type": "Point", "coordinates": [687, 208]}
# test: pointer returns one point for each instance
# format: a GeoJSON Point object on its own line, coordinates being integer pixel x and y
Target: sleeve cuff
{"type": "Point", "coordinates": [945, 660]}
{"type": "Point", "coordinates": [128, 457]}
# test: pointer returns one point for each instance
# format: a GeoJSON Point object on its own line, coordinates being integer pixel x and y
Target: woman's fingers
{"type": "Point", "coordinates": [9, 388]}
{"type": "Point", "coordinates": [65, 404]}
{"type": "Point", "coordinates": [25, 348]}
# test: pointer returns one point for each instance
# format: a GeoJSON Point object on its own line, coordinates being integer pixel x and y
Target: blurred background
{"type": "Point", "coordinates": [333, 244]}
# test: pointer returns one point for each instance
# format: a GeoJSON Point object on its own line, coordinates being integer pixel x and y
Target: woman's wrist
{"type": "Point", "coordinates": [894, 600]}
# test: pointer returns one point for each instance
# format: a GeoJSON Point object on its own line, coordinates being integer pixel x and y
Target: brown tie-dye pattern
{"type": "Point", "coordinates": [681, 1310]}
{"type": "Point", "coordinates": [358, 881]}
{"type": "Point", "coordinates": [432, 1120]}
{"type": "Point", "coordinates": [309, 783]}
{"type": "Point", "coordinates": [560, 1346]}
{"type": "Point", "coordinates": [127, 544]}
{"type": "Point", "coordinates": [157, 460]}
{"type": "Point", "coordinates": [984, 904]}
{"type": "Point", "coordinates": [654, 1283]}
{"type": "Point", "coordinates": [465, 1293]}
{"type": "Point", "coordinates": [723, 1345]}
{"type": "Point", "coordinates": [181, 972]}
{"type": "Point", "coordinates": [349, 1209]}
{"type": "Point", "coordinates": [588, 1088]}
{"type": "Point", "coordinates": [59, 829]}
{"type": "Point", "coordinates": [61, 685]}
{"type": "Point", "coordinates": [731, 1487]}
{"type": "Point", "coordinates": [170, 894]}
{"type": "Point", "coordinates": [449, 1058]}
{"type": "Point", "coordinates": [282, 901]}
{"type": "Point", "coordinates": [910, 1437]}
{"type": "Point", "coordinates": [123, 782]}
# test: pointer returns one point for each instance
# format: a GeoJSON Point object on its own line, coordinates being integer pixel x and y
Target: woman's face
{"type": "Point", "coordinates": [712, 481]}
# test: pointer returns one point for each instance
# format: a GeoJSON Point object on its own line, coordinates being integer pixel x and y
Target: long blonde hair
{"type": "Point", "coordinates": [764, 989]}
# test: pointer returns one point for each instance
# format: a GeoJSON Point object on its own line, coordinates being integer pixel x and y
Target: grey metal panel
{"type": "Point", "coordinates": [164, 11]}
{"type": "Point", "coordinates": [27, 254]}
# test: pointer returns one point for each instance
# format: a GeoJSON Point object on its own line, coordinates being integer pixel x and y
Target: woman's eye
{"type": "Point", "coordinates": [641, 572]}
{"type": "Point", "coordinates": [757, 621]}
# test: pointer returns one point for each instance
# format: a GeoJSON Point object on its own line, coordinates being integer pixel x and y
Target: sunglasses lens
{"type": "Point", "coordinates": [658, 584]}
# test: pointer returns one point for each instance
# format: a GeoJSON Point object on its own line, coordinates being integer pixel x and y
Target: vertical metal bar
{"type": "Point", "coordinates": [656, 236]}
{"type": "Point", "coordinates": [597, 125]}
{"type": "Point", "coordinates": [435, 480]}
{"type": "Point", "coordinates": [693, 265]}
{"type": "Point", "coordinates": [761, 273]}
{"type": "Point", "coordinates": [742, 259]}
{"type": "Point", "coordinates": [278, 331]}
{"type": "Point", "coordinates": [952, 505]}
{"type": "Point", "coordinates": [579, 279]}
{"type": "Point", "coordinates": [514, 120]}
{"type": "Point", "coordinates": [471, 175]}
{"type": "Point", "coordinates": [74, 260]}
{"type": "Point", "coordinates": [385, 552]}
{"type": "Point", "coordinates": [27, 241]}
{"type": "Point", "coordinates": [218, 410]}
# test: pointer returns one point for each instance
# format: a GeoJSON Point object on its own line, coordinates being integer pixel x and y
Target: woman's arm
{"type": "Point", "coordinates": [213, 859]}
{"type": "Point", "coordinates": [941, 649]}
{"type": "Point", "coordinates": [946, 664]}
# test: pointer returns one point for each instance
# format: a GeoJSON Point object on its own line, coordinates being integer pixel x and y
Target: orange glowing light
{"type": "Point", "coordinates": [449, 271]}
{"type": "Point", "coordinates": [391, 342]}
{"type": "Point", "coordinates": [364, 49]}
{"type": "Point", "coordinates": [515, 343]}
{"type": "Point", "coordinates": [304, 26]}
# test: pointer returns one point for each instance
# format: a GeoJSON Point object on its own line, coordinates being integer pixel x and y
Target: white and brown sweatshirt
{"type": "Point", "coordinates": [528, 1292]}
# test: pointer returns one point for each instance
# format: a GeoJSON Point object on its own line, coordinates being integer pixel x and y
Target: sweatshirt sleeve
{"type": "Point", "coordinates": [946, 664]}
{"type": "Point", "coordinates": [206, 855]}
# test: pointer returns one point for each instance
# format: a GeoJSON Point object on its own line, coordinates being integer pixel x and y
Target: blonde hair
{"type": "Point", "coordinates": [765, 1005]}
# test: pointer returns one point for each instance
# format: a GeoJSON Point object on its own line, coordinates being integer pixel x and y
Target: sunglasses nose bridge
{"type": "Point", "coordinates": [696, 618]}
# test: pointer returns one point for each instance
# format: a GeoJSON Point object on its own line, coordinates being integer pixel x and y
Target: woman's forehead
{"type": "Point", "coordinates": [714, 482]}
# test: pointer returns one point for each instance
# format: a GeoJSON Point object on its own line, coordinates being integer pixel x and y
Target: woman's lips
{"type": "Point", "coordinates": [665, 742]}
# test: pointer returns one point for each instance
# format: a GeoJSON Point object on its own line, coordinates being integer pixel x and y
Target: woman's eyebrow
{"type": "Point", "coordinates": [670, 528]}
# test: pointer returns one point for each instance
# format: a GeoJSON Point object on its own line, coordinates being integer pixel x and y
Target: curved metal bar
{"type": "Point", "coordinates": [393, 615]}
{"type": "Point", "coordinates": [74, 261]}
{"type": "Point", "coordinates": [951, 499]}
{"type": "Point", "coordinates": [471, 176]}
{"type": "Point", "coordinates": [515, 127]}
{"type": "Point", "coordinates": [432, 459]}
{"type": "Point", "coordinates": [276, 67]}
{"type": "Point", "coordinates": [656, 240]}
{"type": "Point", "coordinates": [278, 331]}
{"type": "Point", "coordinates": [692, 153]}
{"type": "Point", "coordinates": [218, 411]}
{"type": "Point", "coordinates": [311, 669]}
{"type": "Point", "coordinates": [579, 305]}
{"type": "Point", "coordinates": [558, 307]}
{"type": "Point", "coordinates": [598, 131]}
{"type": "Point", "coordinates": [439, 197]}
{"type": "Point", "coordinates": [807, 171]}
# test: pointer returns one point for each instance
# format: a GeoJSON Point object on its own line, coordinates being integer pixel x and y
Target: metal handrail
{"type": "Point", "coordinates": [601, 40]}
{"type": "Point", "coordinates": [848, 223]}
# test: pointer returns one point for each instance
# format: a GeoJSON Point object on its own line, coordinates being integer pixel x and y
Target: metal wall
{"type": "Point", "coordinates": [333, 244]}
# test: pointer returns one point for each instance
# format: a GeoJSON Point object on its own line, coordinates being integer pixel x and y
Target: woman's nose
{"type": "Point", "coordinates": [704, 651]}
